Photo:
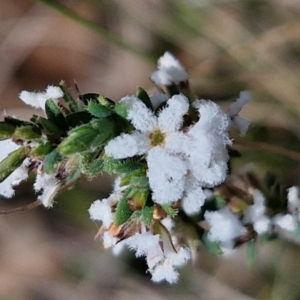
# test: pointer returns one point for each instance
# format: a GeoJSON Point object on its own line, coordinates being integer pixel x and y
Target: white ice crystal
{"type": "Point", "coordinates": [169, 71]}
{"type": "Point", "coordinates": [39, 99]}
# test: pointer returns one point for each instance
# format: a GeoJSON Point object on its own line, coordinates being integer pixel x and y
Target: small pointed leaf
{"type": "Point", "coordinates": [144, 97]}
{"type": "Point", "coordinates": [6, 130]}
{"type": "Point", "coordinates": [12, 162]}
{"type": "Point", "coordinates": [55, 115]}
{"type": "Point", "coordinates": [123, 212]}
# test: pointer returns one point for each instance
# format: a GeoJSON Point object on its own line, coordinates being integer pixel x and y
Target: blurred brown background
{"type": "Point", "coordinates": [227, 46]}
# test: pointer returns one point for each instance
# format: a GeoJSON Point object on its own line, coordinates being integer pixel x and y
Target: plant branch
{"type": "Point", "coordinates": [25, 207]}
{"type": "Point", "coordinates": [268, 148]}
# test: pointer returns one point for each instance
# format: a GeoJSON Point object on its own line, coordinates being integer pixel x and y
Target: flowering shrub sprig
{"type": "Point", "coordinates": [169, 153]}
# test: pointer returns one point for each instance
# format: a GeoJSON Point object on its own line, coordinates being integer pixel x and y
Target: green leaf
{"type": "Point", "coordinates": [104, 101]}
{"type": "Point", "coordinates": [51, 161]}
{"type": "Point", "coordinates": [121, 109]}
{"type": "Point", "coordinates": [78, 118]}
{"type": "Point", "coordinates": [74, 169]}
{"type": "Point", "coordinates": [147, 214]}
{"type": "Point", "coordinates": [89, 97]}
{"type": "Point", "coordinates": [110, 164]}
{"type": "Point", "coordinates": [6, 130]}
{"type": "Point", "coordinates": [144, 97]}
{"type": "Point", "coordinates": [55, 115]}
{"type": "Point", "coordinates": [16, 122]}
{"type": "Point", "coordinates": [123, 212]}
{"type": "Point", "coordinates": [169, 209]}
{"type": "Point", "coordinates": [139, 181]}
{"type": "Point", "coordinates": [79, 139]}
{"type": "Point", "coordinates": [137, 198]}
{"type": "Point", "coordinates": [251, 253]}
{"type": "Point", "coordinates": [130, 166]}
{"type": "Point", "coordinates": [94, 168]}
{"type": "Point", "coordinates": [211, 246]}
{"type": "Point", "coordinates": [105, 131]}
{"type": "Point", "coordinates": [26, 133]}
{"type": "Point", "coordinates": [71, 102]}
{"type": "Point", "coordinates": [50, 128]}
{"type": "Point", "coordinates": [12, 162]}
{"type": "Point", "coordinates": [99, 110]}
{"type": "Point", "coordinates": [42, 149]}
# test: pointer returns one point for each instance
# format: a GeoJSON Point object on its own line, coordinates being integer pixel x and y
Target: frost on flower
{"type": "Point", "coordinates": [286, 222]}
{"type": "Point", "coordinates": [294, 200]}
{"type": "Point", "coordinates": [207, 150]}
{"type": "Point", "coordinates": [46, 185]}
{"type": "Point", "coordinates": [224, 227]}
{"type": "Point", "coordinates": [39, 99]}
{"type": "Point", "coordinates": [255, 214]}
{"type": "Point", "coordinates": [235, 107]}
{"type": "Point", "coordinates": [162, 263]}
{"type": "Point", "coordinates": [102, 210]}
{"type": "Point", "coordinates": [169, 71]}
{"type": "Point", "coordinates": [150, 139]}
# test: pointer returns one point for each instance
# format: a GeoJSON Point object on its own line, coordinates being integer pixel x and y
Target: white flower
{"type": "Point", "coordinates": [224, 227]}
{"type": "Point", "coordinates": [286, 222]}
{"type": "Point", "coordinates": [294, 200]}
{"type": "Point", "coordinates": [39, 99]}
{"type": "Point", "coordinates": [169, 71]}
{"type": "Point", "coordinates": [18, 175]}
{"type": "Point", "coordinates": [256, 213]}
{"type": "Point", "coordinates": [102, 209]}
{"type": "Point", "coordinates": [206, 149]}
{"type": "Point", "coordinates": [161, 262]}
{"type": "Point", "coordinates": [166, 171]}
{"type": "Point", "coordinates": [47, 186]}
{"type": "Point", "coordinates": [157, 99]}
{"type": "Point", "coordinates": [235, 107]}
{"type": "Point", "coordinates": [166, 175]}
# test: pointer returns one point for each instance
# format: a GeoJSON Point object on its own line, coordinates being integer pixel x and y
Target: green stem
{"type": "Point", "coordinates": [110, 37]}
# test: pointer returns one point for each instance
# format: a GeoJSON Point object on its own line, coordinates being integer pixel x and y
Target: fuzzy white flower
{"type": "Point", "coordinates": [294, 200]}
{"type": "Point", "coordinates": [166, 171]}
{"type": "Point", "coordinates": [47, 186]}
{"type": "Point", "coordinates": [18, 175]}
{"type": "Point", "coordinates": [169, 71]}
{"type": "Point", "coordinates": [233, 110]}
{"type": "Point", "coordinates": [206, 149]}
{"type": "Point", "coordinates": [224, 227]}
{"type": "Point", "coordinates": [39, 99]}
{"type": "Point", "coordinates": [256, 213]}
{"type": "Point", "coordinates": [286, 222]}
{"type": "Point", "coordinates": [102, 209]}
{"type": "Point", "coordinates": [161, 262]}
{"type": "Point", "coordinates": [157, 99]}
{"type": "Point", "coordinates": [166, 175]}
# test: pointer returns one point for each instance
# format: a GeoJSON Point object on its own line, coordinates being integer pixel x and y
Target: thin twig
{"type": "Point", "coordinates": [25, 207]}
{"type": "Point", "coordinates": [268, 148]}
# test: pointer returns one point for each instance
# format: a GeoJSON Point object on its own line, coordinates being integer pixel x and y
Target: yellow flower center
{"type": "Point", "coordinates": [157, 138]}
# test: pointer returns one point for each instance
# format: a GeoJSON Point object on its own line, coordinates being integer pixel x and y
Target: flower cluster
{"type": "Point", "coordinates": [169, 152]}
